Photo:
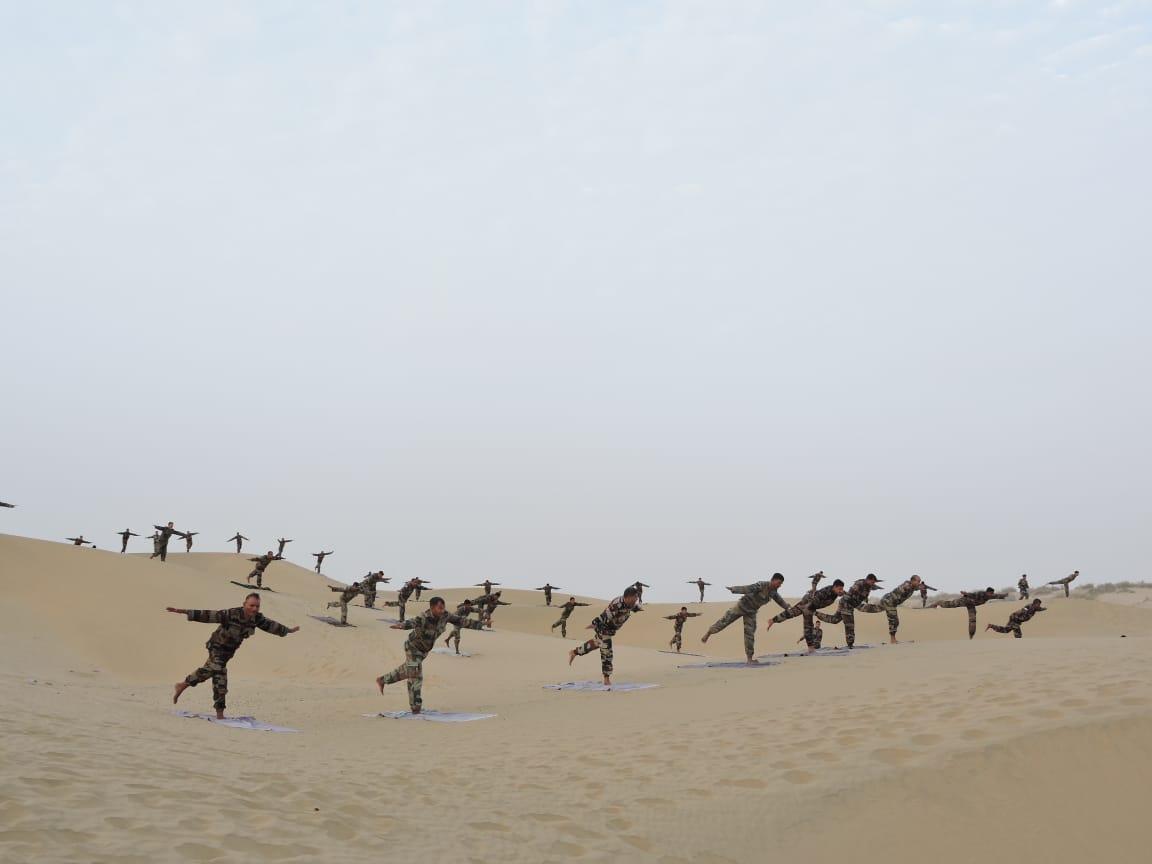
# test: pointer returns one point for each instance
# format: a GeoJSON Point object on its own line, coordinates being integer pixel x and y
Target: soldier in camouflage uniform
{"type": "Point", "coordinates": [239, 538]}
{"type": "Point", "coordinates": [1022, 586]}
{"type": "Point", "coordinates": [969, 600]}
{"type": "Point", "coordinates": [155, 538]}
{"type": "Point", "coordinates": [464, 610]}
{"type": "Point", "coordinates": [891, 601]}
{"type": "Point", "coordinates": [368, 587]}
{"type": "Point", "coordinates": [701, 584]}
{"type": "Point", "coordinates": [262, 563]}
{"type": "Point", "coordinates": [817, 634]}
{"type": "Point", "coordinates": [924, 589]}
{"type": "Point", "coordinates": [188, 535]}
{"type": "Point", "coordinates": [164, 535]}
{"type": "Point", "coordinates": [808, 605]}
{"type": "Point", "coordinates": [236, 625]}
{"type": "Point", "coordinates": [319, 556]}
{"type": "Point", "coordinates": [420, 586]}
{"type": "Point", "coordinates": [1066, 581]}
{"type": "Point", "coordinates": [124, 535]}
{"type": "Point", "coordinates": [283, 541]}
{"type": "Point", "coordinates": [426, 629]}
{"type": "Point", "coordinates": [755, 596]}
{"type": "Point", "coordinates": [487, 606]}
{"type": "Point", "coordinates": [403, 594]}
{"type": "Point", "coordinates": [486, 585]}
{"type": "Point", "coordinates": [565, 611]}
{"type": "Point", "coordinates": [547, 588]}
{"type": "Point", "coordinates": [850, 601]}
{"type": "Point", "coordinates": [679, 618]}
{"type": "Point", "coordinates": [1017, 618]}
{"type": "Point", "coordinates": [346, 597]}
{"type": "Point", "coordinates": [605, 626]}
{"type": "Point", "coordinates": [77, 541]}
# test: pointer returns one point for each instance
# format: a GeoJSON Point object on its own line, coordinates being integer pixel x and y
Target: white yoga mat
{"type": "Point", "coordinates": [450, 652]}
{"type": "Point", "coordinates": [433, 716]}
{"type": "Point", "coordinates": [236, 722]}
{"type": "Point", "coordinates": [681, 653]}
{"type": "Point", "coordinates": [729, 664]}
{"type": "Point", "coordinates": [598, 687]}
{"type": "Point", "coordinates": [820, 652]}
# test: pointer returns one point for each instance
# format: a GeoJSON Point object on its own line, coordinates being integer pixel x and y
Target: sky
{"type": "Point", "coordinates": [585, 292]}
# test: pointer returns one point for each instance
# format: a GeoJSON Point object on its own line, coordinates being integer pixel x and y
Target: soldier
{"type": "Point", "coordinates": [487, 606]}
{"type": "Point", "coordinates": [1066, 581]}
{"type": "Point", "coordinates": [486, 585]}
{"type": "Point", "coordinates": [969, 600]}
{"type": "Point", "coordinates": [808, 605]}
{"type": "Point", "coordinates": [679, 618]}
{"type": "Point", "coordinates": [239, 538]}
{"type": "Point", "coordinates": [462, 611]}
{"type": "Point", "coordinates": [320, 556]}
{"type": "Point", "coordinates": [565, 611]}
{"type": "Point", "coordinates": [924, 589]}
{"type": "Point", "coordinates": [6, 504]}
{"type": "Point", "coordinates": [155, 538]}
{"type": "Point", "coordinates": [161, 545]}
{"type": "Point", "coordinates": [1017, 618]}
{"type": "Point", "coordinates": [369, 585]}
{"type": "Point", "coordinates": [236, 625]}
{"type": "Point", "coordinates": [817, 634]}
{"type": "Point", "coordinates": [1022, 586]}
{"type": "Point", "coordinates": [262, 563]}
{"type": "Point", "coordinates": [701, 584]}
{"type": "Point", "coordinates": [283, 541]}
{"type": "Point", "coordinates": [188, 535]}
{"type": "Point", "coordinates": [640, 586]}
{"type": "Point", "coordinates": [890, 601]}
{"type": "Point", "coordinates": [815, 578]}
{"type": "Point", "coordinates": [605, 626]}
{"type": "Point", "coordinates": [410, 587]}
{"type": "Point", "coordinates": [850, 601]}
{"type": "Point", "coordinates": [346, 596]}
{"type": "Point", "coordinates": [124, 535]}
{"type": "Point", "coordinates": [77, 541]}
{"type": "Point", "coordinates": [547, 588]}
{"type": "Point", "coordinates": [426, 629]}
{"type": "Point", "coordinates": [420, 585]}
{"type": "Point", "coordinates": [755, 596]}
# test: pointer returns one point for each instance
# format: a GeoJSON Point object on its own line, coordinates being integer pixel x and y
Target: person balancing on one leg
{"type": "Point", "coordinates": [701, 584]}
{"type": "Point", "coordinates": [236, 625]}
{"type": "Point", "coordinates": [852, 599]}
{"type": "Point", "coordinates": [754, 596]}
{"type": "Point", "coordinates": [891, 601]}
{"type": "Point", "coordinates": [565, 612]}
{"type": "Point", "coordinates": [678, 626]}
{"type": "Point", "coordinates": [808, 606]}
{"type": "Point", "coordinates": [605, 626]}
{"type": "Point", "coordinates": [320, 556]}
{"type": "Point", "coordinates": [262, 563]}
{"type": "Point", "coordinates": [124, 535]}
{"type": "Point", "coordinates": [463, 611]}
{"type": "Point", "coordinates": [969, 600]}
{"type": "Point", "coordinates": [1017, 618]}
{"type": "Point", "coordinates": [426, 629]}
{"type": "Point", "coordinates": [1066, 581]}
{"type": "Point", "coordinates": [346, 596]}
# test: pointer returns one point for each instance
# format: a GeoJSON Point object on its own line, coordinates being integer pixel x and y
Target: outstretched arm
{"type": "Point", "coordinates": [739, 589]}
{"type": "Point", "coordinates": [202, 616]}
{"type": "Point", "coordinates": [274, 627]}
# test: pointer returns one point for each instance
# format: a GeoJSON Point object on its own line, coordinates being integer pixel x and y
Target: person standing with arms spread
{"type": "Point", "coordinates": [486, 585]}
{"type": "Point", "coordinates": [188, 535]}
{"type": "Point", "coordinates": [369, 583]}
{"type": "Point", "coordinates": [701, 584]}
{"type": "Point", "coordinates": [678, 626]}
{"type": "Point", "coordinates": [547, 588]}
{"type": "Point", "coordinates": [239, 538]}
{"type": "Point", "coordinates": [463, 611]}
{"type": "Point", "coordinates": [283, 541]}
{"type": "Point", "coordinates": [606, 625]}
{"type": "Point", "coordinates": [262, 563]}
{"type": "Point", "coordinates": [124, 535]}
{"type": "Point", "coordinates": [165, 534]}
{"type": "Point", "coordinates": [924, 589]}
{"type": "Point", "coordinates": [754, 596]}
{"type": "Point", "coordinates": [236, 625]}
{"type": "Point", "coordinates": [565, 611]}
{"type": "Point", "coordinates": [320, 556]}
{"type": "Point", "coordinates": [77, 541]}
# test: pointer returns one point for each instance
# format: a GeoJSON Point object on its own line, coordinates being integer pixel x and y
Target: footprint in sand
{"type": "Point", "coordinates": [489, 826]}
{"type": "Point", "coordinates": [926, 739]}
{"type": "Point", "coordinates": [892, 755]}
{"type": "Point", "coordinates": [797, 777]}
{"type": "Point", "coordinates": [638, 842]}
{"type": "Point", "coordinates": [566, 849]}
{"type": "Point", "coordinates": [749, 783]}
{"type": "Point", "coordinates": [619, 824]}
{"type": "Point", "coordinates": [546, 817]}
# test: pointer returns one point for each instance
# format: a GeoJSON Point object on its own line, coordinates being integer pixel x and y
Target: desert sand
{"type": "Point", "coordinates": [941, 749]}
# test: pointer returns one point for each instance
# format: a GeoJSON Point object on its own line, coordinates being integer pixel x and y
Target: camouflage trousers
{"type": "Point", "coordinates": [217, 669]}
{"type": "Point", "coordinates": [923, 599]}
{"type": "Point", "coordinates": [1011, 627]}
{"type": "Point", "coordinates": [730, 617]}
{"type": "Point", "coordinates": [890, 611]}
{"type": "Point", "coordinates": [1023, 593]}
{"type": "Point", "coordinates": [412, 671]}
{"type": "Point", "coordinates": [343, 604]}
{"type": "Point", "coordinates": [701, 595]}
{"type": "Point", "coordinates": [161, 549]}
{"type": "Point", "coordinates": [563, 625]}
{"type": "Point", "coordinates": [369, 599]}
{"type": "Point", "coordinates": [677, 640]}
{"type": "Point", "coordinates": [604, 643]}
{"type": "Point", "coordinates": [809, 614]}
{"type": "Point", "coordinates": [124, 546]}
{"type": "Point", "coordinates": [257, 572]}
{"type": "Point", "coordinates": [455, 634]}
{"type": "Point", "coordinates": [844, 613]}
{"type": "Point", "coordinates": [547, 598]}
{"type": "Point", "coordinates": [956, 604]}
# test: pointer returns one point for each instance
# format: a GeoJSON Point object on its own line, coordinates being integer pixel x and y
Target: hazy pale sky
{"type": "Point", "coordinates": [585, 292]}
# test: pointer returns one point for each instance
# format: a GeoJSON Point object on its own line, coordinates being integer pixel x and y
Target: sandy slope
{"type": "Point", "coordinates": [889, 754]}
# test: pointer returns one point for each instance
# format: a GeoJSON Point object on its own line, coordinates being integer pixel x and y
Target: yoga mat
{"type": "Point", "coordinates": [236, 722]}
{"type": "Point", "coordinates": [728, 664]}
{"type": "Point", "coordinates": [433, 716]}
{"type": "Point", "coordinates": [598, 687]}
{"type": "Point", "coordinates": [682, 653]}
{"type": "Point", "coordinates": [450, 652]}
{"type": "Point", "coordinates": [251, 587]}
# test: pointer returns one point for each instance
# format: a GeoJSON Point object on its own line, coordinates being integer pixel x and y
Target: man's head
{"type": "Point", "coordinates": [838, 586]}
{"type": "Point", "coordinates": [630, 595]}
{"type": "Point", "coordinates": [270, 552]}
{"type": "Point", "coordinates": [251, 605]}
{"type": "Point", "coordinates": [436, 606]}
{"type": "Point", "coordinates": [915, 580]}
{"type": "Point", "coordinates": [467, 601]}
{"type": "Point", "coordinates": [169, 524]}
{"type": "Point", "coordinates": [683, 608]}
{"type": "Point", "coordinates": [871, 577]}
{"type": "Point", "coordinates": [777, 579]}
{"type": "Point", "coordinates": [1074, 572]}
{"type": "Point", "coordinates": [1036, 602]}
{"type": "Point", "coordinates": [990, 591]}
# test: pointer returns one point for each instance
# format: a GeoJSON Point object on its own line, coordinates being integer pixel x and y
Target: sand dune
{"type": "Point", "coordinates": [944, 747]}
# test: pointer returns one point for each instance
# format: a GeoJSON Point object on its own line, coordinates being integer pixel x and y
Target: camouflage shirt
{"type": "Point", "coordinates": [900, 593]}
{"type": "Point", "coordinates": [348, 593]}
{"type": "Point", "coordinates": [977, 598]}
{"type": "Point", "coordinates": [234, 627]}
{"type": "Point", "coordinates": [1023, 583]}
{"type": "Point", "coordinates": [263, 561]}
{"type": "Point", "coordinates": [405, 592]}
{"type": "Point", "coordinates": [679, 618]}
{"type": "Point", "coordinates": [613, 617]}
{"type": "Point", "coordinates": [756, 595]}
{"type": "Point", "coordinates": [858, 593]}
{"type": "Point", "coordinates": [427, 629]}
{"type": "Point", "coordinates": [567, 608]}
{"type": "Point", "coordinates": [821, 597]}
{"type": "Point", "coordinates": [1025, 614]}
{"type": "Point", "coordinates": [465, 609]}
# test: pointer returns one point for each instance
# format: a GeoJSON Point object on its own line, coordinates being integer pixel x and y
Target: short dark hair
{"type": "Point", "coordinates": [989, 590]}
{"type": "Point", "coordinates": [839, 583]}
{"type": "Point", "coordinates": [255, 594]}
{"type": "Point", "coordinates": [779, 576]}
{"type": "Point", "coordinates": [432, 601]}
{"type": "Point", "coordinates": [682, 608]}
{"type": "Point", "coordinates": [870, 576]}
{"type": "Point", "coordinates": [630, 591]}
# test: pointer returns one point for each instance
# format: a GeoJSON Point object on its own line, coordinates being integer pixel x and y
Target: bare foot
{"type": "Point", "coordinates": [415, 710]}
{"type": "Point", "coordinates": [704, 638]}
{"type": "Point", "coordinates": [571, 656]}
{"type": "Point", "coordinates": [219, 713]}
{"type": "Point", "coordinates": [380, 684]}
{"type": "Point", "coordinates": [892, 639]}
{"type": "Point", "coordinates": [607, 682]}
{"type": "Point", "coordinates": [752, 661]}
{"type": "Point", "coordinates": [987, 627]}
{"type": "Point", "coordinates": [180, 688]}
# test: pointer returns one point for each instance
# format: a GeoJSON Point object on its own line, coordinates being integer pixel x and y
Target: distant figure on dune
{"type": "Point", "coordinates": [346, 596]}
{"type": "Point", "coordinates": [406, 591]}
{"type": "Point", "coordinates": [368, 583]}
{"type": "Point", "coordinates": [239, 538]}
{"type": "Point", "coordinates": [808, 606]}
{"type": "Point", "coordinates": [924, 589]}
{"type": "Point", "coordinates": [1017, 618]}
{"type": "Point", "coordinates": [565, 611]}
{"type": "Point", "coordinates": [678, 626]}
{"type": "Point", "coordinates": [969, 600]}
{"type": "Point", "coordinates": [236, 625]}
{"type": "Point", "coordinates": [283, 541]}
{"type": "Point", "coordinates": [746, 608]}
{"type": "Point", "coordinates": [640, 586]}
{"type": "Point", "coordinates": [320, 556]}
{"type": "Point", "coordinates": [165, 534]}
{"type": "Point", "coordinates": [155, 538]}
{"type": "Point", "coordinates": [77, 541]}
{"type": "Point", "coordinates": [891, 601]}
{"type": "Point", "coordinates": [1066, 581]}
{"type": "Point", "coordinates": [262, 563]}
{"type": "Point", "coordinates": [124, 535]}
{"type": "Point", "coordinates": [548, 588]}
{"type": "Point", "coordinates": [188, 535]}
{"type": "Point", "coordinates": [606, 625]}
{"type": "Point", "coordinates": [420, 586]}
{"type": "Point", "coordinates": [486, 585]}
{"type": "Point", "coordinates": [426, 629]}
{"type": "Point", "coordinates": [462, 612]}
{"type": "Point", "coordinates": [701, 584]}
{"type": "Point", "coordinates": [815, 579]}
{"type": "Point", "coordinates": [850, 601]}
{"type": "Point", "coordinates": [1022, 587]}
